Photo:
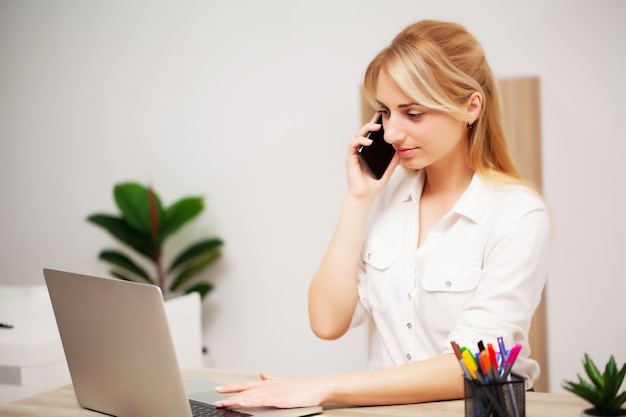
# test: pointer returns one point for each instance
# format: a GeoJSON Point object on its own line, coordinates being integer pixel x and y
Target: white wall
{"type": "Point", "coordinates": [251, 104]}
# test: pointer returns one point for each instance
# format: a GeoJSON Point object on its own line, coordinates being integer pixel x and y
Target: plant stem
{"type": "Point", "coordinates": [154, 222]}
{"type": "Point", "coordinates": [159, 269]}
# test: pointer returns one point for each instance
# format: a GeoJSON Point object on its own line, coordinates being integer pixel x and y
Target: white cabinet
{"type": "Point", "coordinates": [31, 354]}
{"type": "Point", "coordinates": [184, 314]}
{"type": "Point", "coordinates": [32, 359]}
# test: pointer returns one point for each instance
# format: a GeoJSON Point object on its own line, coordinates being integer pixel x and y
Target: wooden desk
{"type": "Point", "coordinates": [62, 402]}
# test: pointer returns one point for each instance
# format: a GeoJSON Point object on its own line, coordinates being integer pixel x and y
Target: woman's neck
{"type": "Point", "coordinates": [447, 181]}
{"type": "Point", "coordinates": [442, 189]}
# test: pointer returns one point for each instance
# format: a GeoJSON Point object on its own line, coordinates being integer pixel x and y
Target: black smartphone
{"type": "Point", "coordinates": [377, 156]}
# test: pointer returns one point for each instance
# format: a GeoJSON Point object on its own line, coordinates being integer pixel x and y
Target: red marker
{"type": "Point", "coordinates": [492, 356]}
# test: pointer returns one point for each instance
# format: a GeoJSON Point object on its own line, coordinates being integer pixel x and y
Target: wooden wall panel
{"type": "Point", "coordinates": [522, 126]}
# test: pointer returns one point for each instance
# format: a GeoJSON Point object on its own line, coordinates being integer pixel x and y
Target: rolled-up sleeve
{"type": "Point", "coordinates": [510, 284]}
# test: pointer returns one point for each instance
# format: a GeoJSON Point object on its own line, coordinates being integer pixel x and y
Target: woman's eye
{"type": "Point", "coordinates": [383, 112]}
{"type": "Point", "coordinates": [414, 115]}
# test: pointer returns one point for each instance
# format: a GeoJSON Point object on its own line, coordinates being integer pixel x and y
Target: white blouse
{"type": "Point", "coordinates": [478, 275]}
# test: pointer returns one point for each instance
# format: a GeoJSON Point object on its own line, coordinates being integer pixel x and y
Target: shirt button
{"type": "Point", "coordinates": [408, 356]}
{"type": "Point", "coordinates": [409, 296]}
{"type": "Point", "coordinates": [369, 255]}
{"type": "Point", "coordinates": [448, 284]}
{"type": "Point", "coordinates": [409, 325]}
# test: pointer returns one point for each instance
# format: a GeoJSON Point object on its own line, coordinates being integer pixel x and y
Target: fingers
{"type": "Point", "coordinates": [368, 127]}
{"type": "Point", "coordinates": [244, 393]}
{"type": "Point", "coordinates": [236, 400]}
{"type": "Point", "coordinates": [250, 397]}
{"type": "Point", "coordinates": [232, 402]}
{"type": "Point", "coordinates": [266, 377]}
{"type": "Point", "coordinates": [245, 385]}
{"type": "Point", "coordinates": [277, 392]}
{"type": "Point", "coordinates": [237, 387]}
{"type": "Point", "coordinates": [356, 143]}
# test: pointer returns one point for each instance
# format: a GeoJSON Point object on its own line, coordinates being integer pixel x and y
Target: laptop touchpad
{"type": "Point", "coordinates": [203, 390]}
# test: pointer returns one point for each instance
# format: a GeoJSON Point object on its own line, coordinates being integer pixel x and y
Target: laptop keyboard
{"type": "Point", "coordinates": [199, 409]}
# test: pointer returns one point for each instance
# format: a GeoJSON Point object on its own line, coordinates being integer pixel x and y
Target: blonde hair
{"type": "Point", "coordinates": [440, 65]}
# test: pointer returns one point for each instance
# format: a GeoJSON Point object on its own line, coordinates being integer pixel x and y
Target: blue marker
{"type": "Point", "coordinates": [502, 351]}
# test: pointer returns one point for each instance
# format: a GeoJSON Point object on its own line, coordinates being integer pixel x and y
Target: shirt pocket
{"type": "Point", "coordinates": [447, 289]}
{"type": "Point", "coordinates": [379, 259]}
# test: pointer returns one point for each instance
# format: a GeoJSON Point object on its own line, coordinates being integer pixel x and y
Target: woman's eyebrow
{"type": "Point", "coordinates": [400, 106]}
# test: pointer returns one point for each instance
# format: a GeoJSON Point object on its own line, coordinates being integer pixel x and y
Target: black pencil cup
{"type": "Point", "coordinates": [498, 399]}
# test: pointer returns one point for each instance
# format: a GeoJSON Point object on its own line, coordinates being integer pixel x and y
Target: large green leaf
{"type": "Point", "coordinates": [594, 374]}
{"type": "Point", "coordinates": [203, 247]}
{"type": "Point", "coordinates": [179, 213]}
{"type": "Point", "coordinates": [620, 376]}
{"type": "Point", "coordinates": [201, 287]}
{"type": "Point", "coordinates": [121, 276]}
{"type": "Point", "coordinates": [583, 389]}
{"type": "Point", "coordinates": [134, 203]}
{"type": "Point", "coordinates": [618, 401]}
{"type": "Point", "coordinates": [612, 382]}
{"type": "Point", "coordinates": [121, 230]}
{"type": "Point", "coordinates": [120, 260]}
{"type": "Point", "coordinates": [193, 270]}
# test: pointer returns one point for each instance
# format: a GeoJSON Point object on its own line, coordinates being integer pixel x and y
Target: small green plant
{"type": "Point", "coordinates": [603, 389]}
{"type": "Point", "coordinates": [144, 225]}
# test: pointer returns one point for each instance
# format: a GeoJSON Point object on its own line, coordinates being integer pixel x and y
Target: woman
{"type": "Point", "coordinates": [452, 246]}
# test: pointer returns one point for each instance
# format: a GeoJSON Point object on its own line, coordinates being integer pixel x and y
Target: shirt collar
{"type": "Point", "coordinates": [474, 200]}
{"type": "Point", "coordinates": [413, 188]}
{"type": "Point", "coordinates": [471, 204]}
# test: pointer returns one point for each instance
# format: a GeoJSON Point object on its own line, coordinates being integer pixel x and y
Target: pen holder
{"type": "Point", "coordinates": [498, 399]}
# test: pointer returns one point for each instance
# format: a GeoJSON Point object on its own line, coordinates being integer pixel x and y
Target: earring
{"type": "Point", "coordinates": [469, 125]}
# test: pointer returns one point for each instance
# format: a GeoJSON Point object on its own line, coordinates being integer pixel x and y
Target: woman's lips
{"type": "Point", "coordinates": [405, 152]}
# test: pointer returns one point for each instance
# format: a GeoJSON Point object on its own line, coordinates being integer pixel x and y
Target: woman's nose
{"type": "Point", "coordinates": [393, 132]}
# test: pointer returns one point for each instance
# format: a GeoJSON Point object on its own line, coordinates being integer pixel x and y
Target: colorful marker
{"type": "Point", "coordinates": [457, 352]}
{"type": "Point", "coordinates": [502, 348]}
{"type": "Point", "coordinates": [492, 357]}
{"type": "Point", "coordinates": [471, 366]}
{"type": "Point", "coordinates": [510, 360]}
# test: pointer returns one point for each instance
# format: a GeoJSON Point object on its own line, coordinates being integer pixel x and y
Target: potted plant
{"type": "Point", "coordinates": [144, 225]}
{"type": "Point", "coordinates": [603, 390]}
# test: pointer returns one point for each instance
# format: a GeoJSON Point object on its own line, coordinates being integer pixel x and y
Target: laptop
{"type": "Point", "coordinates": [120, 352]}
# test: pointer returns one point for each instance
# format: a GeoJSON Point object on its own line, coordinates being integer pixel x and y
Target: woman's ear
{"type": "Point", "coordinates": [474, 106]}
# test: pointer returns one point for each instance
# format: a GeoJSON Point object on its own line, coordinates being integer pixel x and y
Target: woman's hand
{"type": "Point", "coordinates": [275, 392]}
{"type": "Point", "coordinates": [433, 379]}
{"type": "Point", "coordinates": [361, 184]}
{"type": "Point", "coordinates": [333, 292]}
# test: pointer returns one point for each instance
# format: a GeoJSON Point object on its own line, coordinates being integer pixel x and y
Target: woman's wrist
{"type": "Point", "coordinates": [358, 203]}
{"type": "Point", "coordinates": [328, 389]}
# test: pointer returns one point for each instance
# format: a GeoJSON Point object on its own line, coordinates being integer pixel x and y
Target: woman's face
{"type": "Point", "coordinates": [421, 136]}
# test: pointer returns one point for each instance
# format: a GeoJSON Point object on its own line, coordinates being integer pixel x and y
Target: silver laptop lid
{"type": "Point", "coordinates": [118, 345]}
{"type": "Point", "coordinates": [120, 352]}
